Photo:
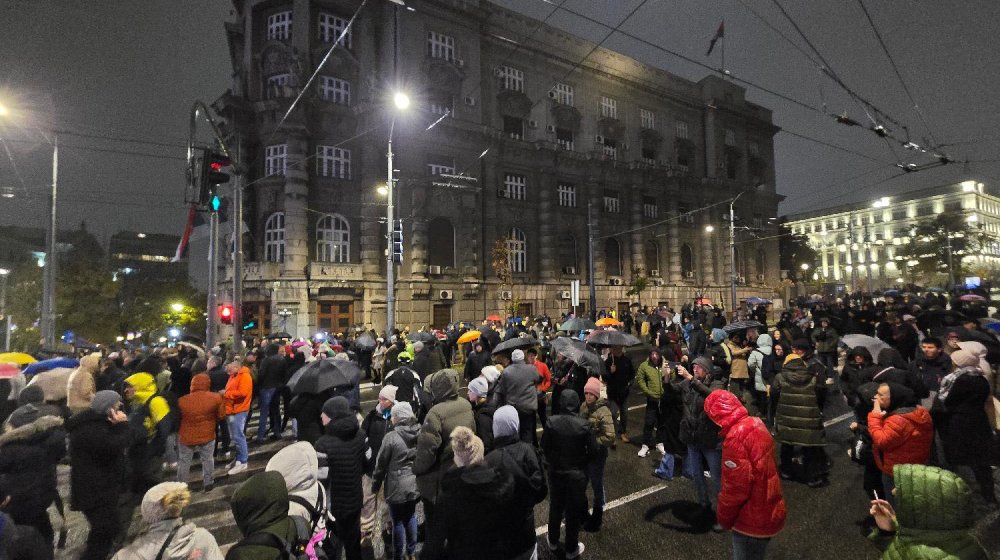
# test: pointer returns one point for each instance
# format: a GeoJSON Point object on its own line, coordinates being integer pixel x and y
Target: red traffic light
{"type": "Point", "coordinates": [211, 170]}
{"type": "Point", "coordinates": [226, 314]}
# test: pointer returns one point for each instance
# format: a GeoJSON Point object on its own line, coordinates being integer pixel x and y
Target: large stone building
{"type": "Point", "coordinates": [525, 138]}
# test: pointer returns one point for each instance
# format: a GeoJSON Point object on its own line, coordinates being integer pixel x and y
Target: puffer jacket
{"type": "Point", "coordinates": [97, 458]}
{"type": "Point", "coordinates": [934, 515]}
{"type": "Point", "coordinates": [375, 426]}
{"type": "Point", "coordinates": [798, 420]}
{"type": "Point", "coordinates": [931, 372]}
{"type": "Point", "coordinates": [738, 368]}
{"type": "Point", "coordinates": [434, 455]}
{"type": "Point", "coordinates": [602, 424]}
{"type": "Point", "coordinates": [474, 503]}
{"type": "Point", "coordinates": [239, 390]}
{"type": "Point", "coordinates": [697, 428]}
{"type": "Point", "coordinates": [260, 505]}
{"type": "Point", "coordinates": [825, 340]}
{"type": "Point", "coordinates": [484, 422]}
{"type": "Point", "coordinates": [28, 458]}
{"type": "Point", "coordinates": [517, 387]}
{"type": "Point", "coordinates": [568, 442]}
{"type": "Point", "coordinates": [854, 375]}
{"type": "Point", "coordinates": [82, 384]}
{"type": "Point", "coordinates": [188, 542]}
{"type": "Point", "coordinates": [299, 466]}
{"type": "Point", "coordinates": [145, 392]}
{"type": "Point", "coordinates": [522, 461]}
{"type": "Point", "coordinates": [755, 362]}
{"type": "Point", "coordinates": [750, 498]}
{"type": "Point", "coordinates": [346, 452]}
{"type": "Point", "coordinates": [394, 464]}
{"type": "Point", "coordinates": [904, 436]}
{"type": "Point", "coordinates": [201, 410]}
{"type": "Point", "coordinates": [649, 380]}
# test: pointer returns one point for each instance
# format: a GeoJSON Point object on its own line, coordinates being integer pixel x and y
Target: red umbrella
{"type": "Point", "coordinates": [8, 371]}
{"type": "Point", "coordinates": [972, 297]}
{"type": "Point", "coordinates": [493, 317]}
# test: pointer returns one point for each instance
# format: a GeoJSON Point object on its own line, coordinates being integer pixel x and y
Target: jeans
{"type": "Point", "coordinates": [714, 459]}
{"type": "Point", "coordinates": [186, 455]}
{"type": "Point", "coordinates": [404, 528]}
{"type": "Point", "coordinates": [236, 423]}
{"type": "Point", "coordinates": [104, 526]}
{"type": "Point", "coordinates": [348, 530]}
{"type": "Point", "coordinates": [567, 497]}
{"type": "Point", "coordinates": [222, 437]}
{"type": "Point", "coordinates": [268, 418]}
{"type": "Point", "coordinates": [595, 473]}
{"type": "Point", "coordinates": [619, 411]}
{"type": "Point", "coordinates": [748, 548]}
{"type": "Point", "coordinates": [813, 461]}
{"type": "Point", "coordinates": [829, 359]}
{"type": "Point", "coordinates": [170, 450]}
{"type": "Point", "coordinates": [651, 421]}
{"type": "Point", "coordinates": [527, 428]}
{"type": "Point", "coordinates": [542, 408]}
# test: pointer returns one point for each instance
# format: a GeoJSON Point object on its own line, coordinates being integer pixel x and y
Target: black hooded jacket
{"type": "Point", "coordinates": [892, 369]}
{"type": "Point", "coordinates": [931, 372]}
{"type": "Point", "coordinates": [346, 452]}
{"type": "Point", "coordinates": [568, 442]}
{"type": "Point", "coordinates": [260, 505]}
{"type": "Point", "coordinates": [28, 458]}
{"type": "Point", "coordinates": [97, 458]}
{"type": "Point", "coordinates": [855, 375]}
{"type": "Point", "coordinates": [272, 369]}
{"type": "Point", "coordinates": [470, 519]}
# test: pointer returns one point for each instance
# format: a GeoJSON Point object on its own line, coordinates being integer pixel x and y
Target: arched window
{"type": "Point", "coordinates": [333, 239]}
{"type": "Point", "coordinates": [568, 257]}
{"type": "Point", "coordinates": [687, 261]}
{"type": "Point", "coordinates": [274, 238]}
{"type": "Point", "coordinates": [613, 256]}
{"type": "Point", "coordinates": [652, 257]}
{"type": "Point", "coordinates": [440, 242]}
{"type": "Point", "coordinates": [517, 244]}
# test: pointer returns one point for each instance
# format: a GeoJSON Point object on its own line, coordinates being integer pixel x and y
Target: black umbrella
{"type": "Point", "coordinates": [577, 324]}
{"type": "Point", "coordinates": [940, 319]}
{"type": "Point", "coordinates": [318, 376]}
{"type": "Point", "coordinates": [741, 325]}
{"type": "Point", "coordinates": [422, 336]}
{"type": "Point", "coordinates": [578, 352]}
{"type": "Point", "coordinates": [490, 337]}
{"type": "Point", "coordinates": [278, 335]}
{"type": "Point", "coordinates": [364, 342]}
{"type": "Point", "coordinates": [611, 338]}
{"type": "Point", "coordinates": [515, 343]}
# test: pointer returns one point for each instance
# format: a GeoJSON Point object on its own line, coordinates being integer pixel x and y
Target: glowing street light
{"type": "Point", "coordinates": [401, 100]}
{"type": "Point", "coordinates": [709, 228]}
{"type": "Point", "coordinates": [177, 307]}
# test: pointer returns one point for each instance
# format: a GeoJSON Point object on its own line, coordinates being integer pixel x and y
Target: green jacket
{"type": "Point", "coordinates": [650, 380]}
{"type": "Point", "coordinates": [825, 340]}
{"type": "Point", "coordinates": [934, 515]}
{"type": "Point", "coordinates": [798, 420]}
{"type": "Point", "coordinates": [260, 505]}
{"type": "Point", "coordinates": [598, 415]}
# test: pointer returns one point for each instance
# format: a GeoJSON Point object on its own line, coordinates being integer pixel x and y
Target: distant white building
{"type": "Point", "coordinates": [862, 241]}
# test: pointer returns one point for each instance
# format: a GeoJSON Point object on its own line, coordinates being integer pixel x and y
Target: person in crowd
{"type": "Point", "coordinates": [544, 382]}
{"type": "Point", "coordinates": [260, 509]}
{"type": "Point", "coordinates": [98, 438]}
{"type": "Point", "coordinates": [619, 379]}
{"type": "Point", "coordinates": [237, 395]}
{"type": "Point", "coordinates": [762, 372]}
{"type": "Point", "coordinates": [31, 446]}
{"type": "Point", "coordinates": [858, 369]}
{"type": "Point", "coordinates": [522, 461]}
{"type": "Point", "coordinates": [201, 410]}
{"type": "Point", "coordinates": [750, 500]}
{"type": "Point", "coordinates": [447, 413]}
{"type": "Point", "coordinates": [932, 518]}
{"type": "Point", "coordinates": [893, 369]}
{"type": "Point", "coordinates": [517, 388]}
{"type": "Point", "coordinates": [167, 536]}
{"type": "Point", "coordinates": [378, 360]}
{"type": "Point", "coordinates": [394, 470]}
{"type": "Point", "coordinates": [298, 464]}
{"type": "Point", "coordinates": [698, 432]}
{"type": "Point", "coordinates": [569, 445]}
{"type": "Point", "coordinates": [346, 454]}
{"type": "Point", "coordinates": [473, 505]}
{"type": "Point", "coordinates": [82, 383]}
{"type": "Point", "coordinates": [483, 409]}
{"type": "Point", "coordinates": [409, 386]}
{"type": "Point", "coordinates": [930, 366]}
{"type": "Point", "coordinates": [736, 351]}
{"type": "Point", "coordinates": [149, 413]}
{"type": "Point", "coordinates": [397, 345]}
{"type": "Point", "coordinates": [649, 379]}
{"type": "Point", "coordinates": [905, 338]}
{"type": "Point", "coordinates": [900, 433]}
{"type": "Point", "coordinates": [799, 420]}
{"type": "Point", "coordinates": [597, 413]}
{"type": "Point", "coordinates": [270, 378]}
{"type": "Point", "coordinates": [477, 360]}
{"type": "Point", "coordinates": [219, 377]}
{"type": "Point", "coordinates": [825, 340]}
{"type": "Point", "coordinates": [423, 360]}
{"type": "Point", "coordinates": [375, 426]}
{"type": "Point", "coordinates": [112, 376]}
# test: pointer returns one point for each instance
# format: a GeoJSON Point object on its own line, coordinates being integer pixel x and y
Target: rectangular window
{"type": "Point", "coordinates": [335, 90]}
{"type": "Point", "coordinates": [279, 26]}
{"type": "Point", "coordinates": [567, 195]}
{"type": "Point", "coordinates": [330, 27]}
{"type": "Point", "coordinates": [649, 207]}
{"type": "Point", "coordinates": [682, 130]}
{"type": "Point", "coordinates": [440, 46]}
{"type": "Point", "coordinates": [514, 186]}
{"type": "Point", "coordinates": [513, 127]}
{"type": "Point", "coordinates": [441, 168]}
{"type": "Point", "coordinates": [758, 222]}
{"type": "Point", "coordinates": [511, 79]}
{"type": "Point", "coordinates": [730, 137]}
{"type": "Point", "coordinates": [611, 202]}
{"type": "Point", "coordinates": [442, 105]}
{"type": "Point", "coordinates": [610, 148]}
{"type": "Point", "coordinates": [276, 159]}
{"type": "Point", "coordinates": [277, 86]}
{"type": "Point", "coordinates": [647, 119]}
{"type": "Point", "coordinates": [685, 213]}
{"type": "Point", "coordinates": [753, 148]}
{"type": "Point", "coordinates": [563, 94]}
{"type": "Point", "coordinates": [649, 156]}
{"type": "Point", "coordinates": [609, 107]}
{"type": "Point", "coordinates": [333, 162]}
{"type": "Point", "coordinates": [564, 138]}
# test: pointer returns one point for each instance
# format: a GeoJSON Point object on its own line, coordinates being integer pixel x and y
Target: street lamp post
{"type": "Point", "coordinates": [401, 102]}
{"type": "Point", "coordinates": [3, 308]}
{"type": "Point", "coordinates": [732, 252]}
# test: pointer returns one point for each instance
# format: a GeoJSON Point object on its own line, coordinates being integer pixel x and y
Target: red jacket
{"type": "Point", "coordinates": [201, 410]}
{"type": "Point", "coordinates": [239, 390]}
{"type": "Point", "coordinates": [750, 500]}
{"type": "Point", "coordinates": [901, 438]}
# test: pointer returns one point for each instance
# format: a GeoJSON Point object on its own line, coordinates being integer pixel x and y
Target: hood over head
{"type": "Point", "coordinates": [336, 408]}
{"type": "Point", "coordinates": [569, 400]}
{"type": "Point", "coordinates": [506, 422]}
{"type": "Point", "coordinates": [900, 395]}
{"type": "Point", "coordinates": [725, 409]}
{"type": "Point", "coordinates": [443, 385]}
{"type": "Point", "coordinates": [860, 351]}
{"type": "Point", "coordinates": [931, 498]}
{"type": "Point", "coordinates": [765, 344]}
{"type": "Point", "coordinates": [144, 385]}
{"type": "Point", "coordinates": [260, 503]}
{"type": "Point", "coordinates": [402, 412]}
{"type": "Point", "coordinates": [201, 382]}
{"type": "Point", "coordinates": [890, 357]}
{"type": "Point", "coordinates": [32, 394]}
{"type": "Point", "coordinates": [298, 465]}
{"type": "Point", "coordinates": [718, 335]}
{"type": "Point", "coordinates": [91, 362]}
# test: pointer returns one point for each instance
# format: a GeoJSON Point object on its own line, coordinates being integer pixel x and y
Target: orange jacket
{"type": "Point", "coordinates": [201, 410]}
{"type": "Point", "coordinates": [239, 389]}
{"type": "Point", "coordinates": [546, 376]}
{"type": "Point", "coordinates": [902, 437]}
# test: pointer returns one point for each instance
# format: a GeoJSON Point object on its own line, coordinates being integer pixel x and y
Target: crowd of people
{"type": "Point", "coordinates": [468, 462]}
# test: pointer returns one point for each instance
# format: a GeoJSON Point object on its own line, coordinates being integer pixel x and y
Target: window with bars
{"type": "Point", "coordinates": [609, 107]}
{"type": "Point", "coordinates": [563, 94]}
{"type": "Point", "coordinates": [612, 203]}
{"type": "Point", "coordinates": [513, 127]}
{"type": "Point", "coordinates": [517, 245]}
{"type": "Point", "coordinates": [441, 168]}
{"type": "Point", "coordinates": [647, 119]}
{"type": "Point", "coordinates": [753, 148]}
{"type": "Point", "coordinates": [730, 137]}
{"type": "Point", "coordinates": [274, 238]}
{"type": "Point", "coordinates": [564, 138]}
{"type": "Point", "coordinates": [276, 159]}
{"type": "Point", "coordinates": [279, 26]}
{"type": "Point", "coordinates": [440, 46]}
{"type": "Point", "coordinates": [567, 195]}
{"type": "Point", "coordinates": [649, 207]}
{"type": "Point", "coordinates": [277, 86]}
{"type": "Point", "coordinates": [335, 90]}
{"type": "Point", "coordinates": [681, 130]}
{"type": "Point", "coordinates": [686, 215]}
{"type": "Point", "coordinates": [333, 162]}
{"type": "Point", "coordinates": [758, 222]}
{"type": "Point", "coordinates": [610, 148]}
{"type": "Point", "coordinates": [333, 239]}
{"type": "Point", "coordinates": [511, 79]}
{"type": "Point", "coordinates": [442, 105]}
{"type": "Point", "coordinates": [331, 26]}
{"type": "Point", "coordinates": [514, 186]}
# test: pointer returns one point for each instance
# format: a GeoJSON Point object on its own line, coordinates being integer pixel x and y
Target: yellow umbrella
{"type": "Point", "coordinates": [19, 358]}
{"type": "Point", "coordinates": [469, 337]}
{"type": "Point", "coordinates": [607, 322]}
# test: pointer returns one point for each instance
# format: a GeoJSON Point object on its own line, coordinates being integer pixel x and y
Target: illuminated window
{"type": "Point", "coordinates": [609, 107]}
{"type": "Point", "coordinates": [514, 186]}
{"type": "Point", "coordinates": [333, 239]}
{"type": "Point", "coordinates": [511, 79]}
{"type": "Point", "coordinates": [276, 159]}
{"type": "Point", "coordinates": [279, 26]}
{"type": "Point", "coordinates": [563, 94]}
{"type": "Point", "coordinates": [335, 90]}
{"type": "Point", "coordinates": [567, 195]}
{"type": "Point", "coordinates": [517, 245]}
{"type": "Point", "coordinates": [440, 46]}
{"type": "Point", "coordinates": [647, 119]}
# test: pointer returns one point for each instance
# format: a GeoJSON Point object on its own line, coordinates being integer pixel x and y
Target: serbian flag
{"type": "Point", "coordinates": [182, 247]}
{"type": "Point", "coordinates": [720, 33]}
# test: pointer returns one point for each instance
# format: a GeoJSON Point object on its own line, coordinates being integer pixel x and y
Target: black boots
{"type": "Point", "coordinates": [593, 522]}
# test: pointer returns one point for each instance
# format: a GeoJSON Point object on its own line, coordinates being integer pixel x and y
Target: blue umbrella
{"type": "Point", "coordinates": [754, 300]}
{"type": "Point", "coordinates": [891, 293]}
{"type": "Point", "coordinates": [46, 365]}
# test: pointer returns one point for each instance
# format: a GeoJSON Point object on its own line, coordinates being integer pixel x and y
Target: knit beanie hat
{"type": "Point", "coordinates": [962, 358]}
{"type": "Point", "coordinates": [478, 387]}
{"type": "Point", "coordinates": [491, 373]}
{"type": "Point", "coordinates": [165, 501]}
{"type": "Point", "coordinates": [506, 422]}
{"type": "Point", "coordinates": [593, 387]}
{"type": "Point", "coordinates": [32, 394]}
{"type": "Point", "coordinates": [517, 356]}
{"type": "Point", "coordinates": [388, 393]}
{"type": "Point", "coordinates": [403, 412]}
{"type": "Point", "coordinates": [104, 400]}
{"type": "Point", "coordinates": [704, 362]}
{"type": "Point", "coordinates": [466, 446]}
{"type": "Point", "coordinates": [337, 407]}
{"type": "Point", "coordinates": [24, 415]}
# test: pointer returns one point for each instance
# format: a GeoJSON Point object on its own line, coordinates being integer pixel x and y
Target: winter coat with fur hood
{"type": "Point", "coordinates": [187, 543]}
{"type": "Point", "coordinates": [82, 384]}
{"type": "Point", "coordinates": [434, 455]}
{"type": "Point", "coordinates": [28, 458]}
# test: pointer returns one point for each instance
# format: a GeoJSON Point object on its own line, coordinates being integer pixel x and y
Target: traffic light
{"type": "Point", "coordinates": [210, 175]}
{"type": "Point", "coordinates": [226, 314]}
{"type": "Point", "coordinates": [397, 241]}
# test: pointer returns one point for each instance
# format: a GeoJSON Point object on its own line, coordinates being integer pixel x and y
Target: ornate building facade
{"type": "Point", "coordinates": [508, 137]}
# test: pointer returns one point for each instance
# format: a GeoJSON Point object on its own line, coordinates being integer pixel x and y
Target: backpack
{"type": "Point", "coordinates": [167, 425]}
{"type": "Point", "coordinates": [304, 547]}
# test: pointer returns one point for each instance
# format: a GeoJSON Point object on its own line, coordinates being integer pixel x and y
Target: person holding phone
{"type": "Point", "coordinates": [900, 434]}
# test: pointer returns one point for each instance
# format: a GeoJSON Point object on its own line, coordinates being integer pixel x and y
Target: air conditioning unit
{"type": "Point", "coordinates": [532, 123]}
{"type": "Point", "coordinates": [599, 139]}
{"type": "Point", "coordinates": [470, 101]}
{"type": "Point", "coordinates": [760, 277]}
{"type": "Point", "coordinates": [506, 294]}
{"type": "Point", "coordinates": [657, 281]}
{"type": "Point", "coordinates": [689, 274]}
{"type": "Point", "coordinates": [569, 270]}
{"type": "Point", "coordinates": [565, 294]}
{"type": "Point", "coordinates": [552, 94]}
{"type": "Point", "coordinates": [447, 294]}
{"type": "Point", "coordinates": [434, 269]}
{"type": "Point", "coordinates": [654, 272]}
{"type": "Point", "coordinates": [615, 281]}
{"type": "Point", "coordinates": [460, 63]}
{"type": "Point", "coordinates": [502, 193]}
{"type": "Point", "coordinates": [550, 128]}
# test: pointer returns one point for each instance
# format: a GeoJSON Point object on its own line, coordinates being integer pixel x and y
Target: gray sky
{"type": "Point", "coordinates": [132, 69]}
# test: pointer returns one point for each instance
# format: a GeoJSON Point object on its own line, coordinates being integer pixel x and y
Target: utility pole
{"type": "Point", "coordinates": [3, 308]}
{"type": "Point", "coordinates": [850, 253]}
{"type": "Point", "coordinates": [51, 258]}
{"type": "Point", "coordinates": [951, 269]}
{"type": "Point", "coordinates": [213, 281]}
{"type": "Point", "coordinates": [390, 271]}
{"type": "Point", "coordinates": [590, 260]}
{"type": "Point", "coordinates": [868, 255]}
{"type": "Point", "coordinates": [732, 253]}
{"type": "Point", "coordinates": [237, 218]}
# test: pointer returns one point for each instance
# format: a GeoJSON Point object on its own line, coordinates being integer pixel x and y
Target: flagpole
{"type": "Point", "coordinates": [723, 39]}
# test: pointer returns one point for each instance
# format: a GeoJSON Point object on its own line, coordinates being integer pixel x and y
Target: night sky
{"type": "Point", "coordinates": [132, 69]}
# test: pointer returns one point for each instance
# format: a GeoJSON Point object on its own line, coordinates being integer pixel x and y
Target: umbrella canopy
{"type": "Point", "coordinates": [318, 376]}
{"type": "Point", "coordinates": [365, 342]}
{"type": "Point", "coordinates": [578, 352]}
{"type": "Point", "coordinates": [279, 334]}
{"type": "Point", "coordinates": [935, 290]}
{"type": "Point", "coordinates": [469, 336]}
{"type": "Point", "coordinates": [192, 346]}
{"type": "Point", "coordinates": [577, 324]}
{"type": "Point", "coordinates": [494, 317]}
{"type": "Point", "coordinates": [607, 322]}
{"type": "Point", "coordinates": [515, 343]}
{"type": "Point", "coordinates": [892, 293]}
{"type": "Point", "coordinates": [193, 339]}
{"type": "Point", "coordinates": [611, 338]}
{"type": "Point", "coordinates": [754, 300]}
{"type": "Point", "coordinates": [741, 325]}
{"type": "Point", "coordinates": [422, 336]}
{"type": "Point", "coordinates": [8, 370]}
{"type": "Point", "coordinates": [993, 326]}
{"type": "Point", "coordinates": [972, 297]}
{"type": "Point", "coordinates": [940, 318]}
{"type": "Point", "coordinates": [19, 358]}
{"type": "Point", "coordinates": [872, 344]}
{"type": "Point", "coordinates": [53, 382]}
{"type": "Point", "coordinates": [489, 336]}
{"type": "Point", "coordinates": [46, 365]}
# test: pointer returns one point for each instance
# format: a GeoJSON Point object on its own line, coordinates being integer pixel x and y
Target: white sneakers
{"type": "Point", "coordinates": [576, 553]}
{"type": "Point", "coordinates": [659, 447]}
{"type": "Point", "coordinates": [237, 468]}
{"type": "Point", "coordinates": [644, 450]}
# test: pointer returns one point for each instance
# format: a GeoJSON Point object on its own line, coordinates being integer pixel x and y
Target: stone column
{"type": "Point", "coordinates": [706, 241]}
{"type": "Point", "coordinates": [673, 241]}
{"type": "Point", "coordinates": [638, 254]}
{"type": "Point", "coordinates": [296, 204]}
{"type": "Point", "coordinates": [548, 241]}
{"type": "Point", "coordinates": [595, 194]}
{"type": "Point", "coordinates": [418, 232]}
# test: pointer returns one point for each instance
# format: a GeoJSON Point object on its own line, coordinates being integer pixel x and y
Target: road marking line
{"type": "Point", "coordinates": [838, 419]}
